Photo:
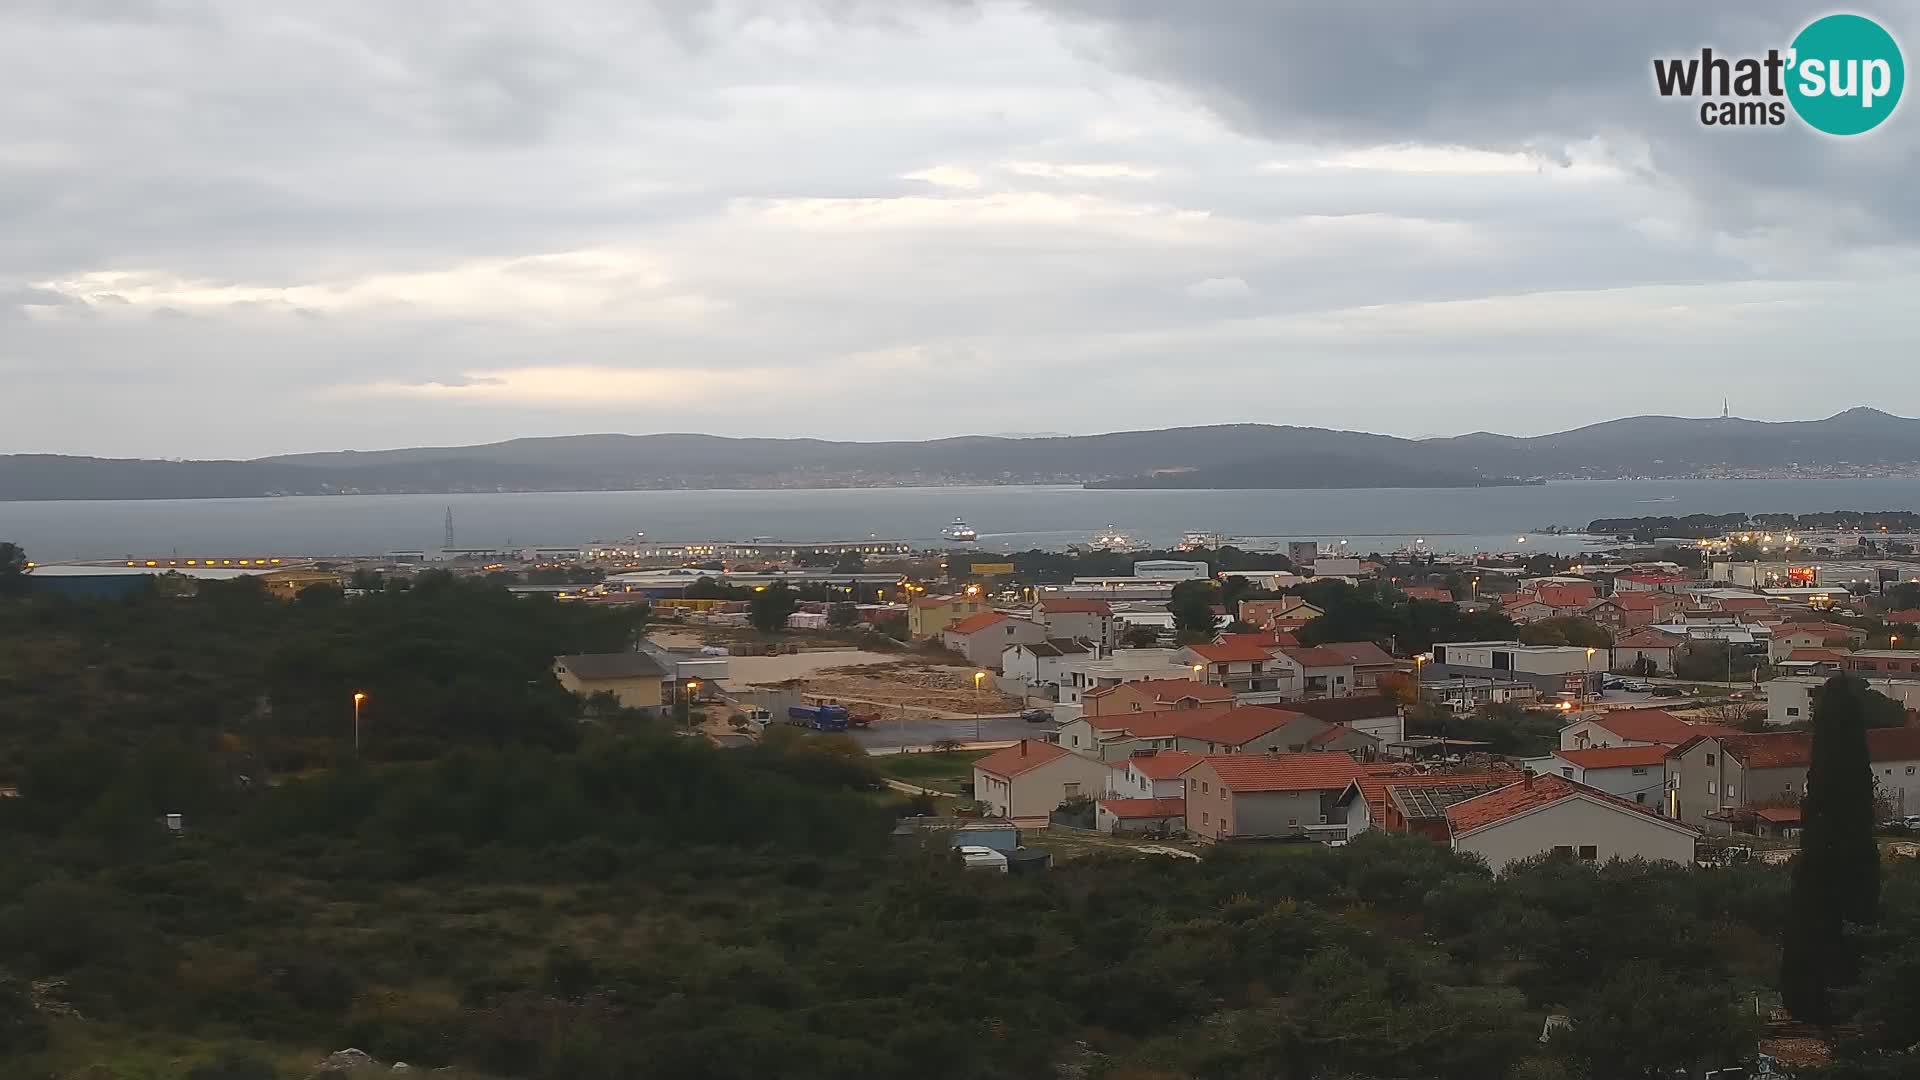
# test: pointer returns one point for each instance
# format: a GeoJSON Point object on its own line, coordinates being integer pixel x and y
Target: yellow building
{"type": "Point", "coordinates": [286, 584]}
{"type": "Point", "coordinates": [929, 615]}
{"type": "Point", "coordinates": [635, 679]}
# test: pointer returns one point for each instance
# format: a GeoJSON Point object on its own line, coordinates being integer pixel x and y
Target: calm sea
{"type": "Point", "coordinates": [1007, 518]}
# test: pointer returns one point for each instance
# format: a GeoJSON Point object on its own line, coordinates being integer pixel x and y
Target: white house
{"type": "Point", "coordinates": [1026, 781]}
{"type": "Point", "coordinates": [1634, 773]}
{"type": "Point", "coordinates": [1552, 814]}
{"type": "Point", "coordinates": [1790, 697]}
{"type": "Point", "coordinates": [1151, 774]}
{"type": "Point", "coordinates": [1043, 663]}
{"type": "Point", "coordinates": [1078, 620]}
{"type": "Point", "coordinates": [982, 638]}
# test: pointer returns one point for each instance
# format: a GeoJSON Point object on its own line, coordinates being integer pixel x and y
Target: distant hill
{"type": "Point", "coordinates": [1222, 456]}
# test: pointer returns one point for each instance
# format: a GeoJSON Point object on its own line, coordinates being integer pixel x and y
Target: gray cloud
{"type": "Point", "coordinates": [239, 226]}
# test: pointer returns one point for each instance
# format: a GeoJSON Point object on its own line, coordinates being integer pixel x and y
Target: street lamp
{"type": "Point", "coordinates": [978, 678]}
{"type": "Point", "coordinates": [358, 697]}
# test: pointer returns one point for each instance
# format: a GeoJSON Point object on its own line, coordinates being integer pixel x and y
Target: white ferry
{"type": "Point", "coordinates": [959, 532]}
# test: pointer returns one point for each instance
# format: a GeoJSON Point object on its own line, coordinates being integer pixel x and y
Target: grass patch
{"type": "Point", "coordinates": [950, 771]}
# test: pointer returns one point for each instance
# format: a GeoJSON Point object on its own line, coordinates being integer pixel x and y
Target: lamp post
{"type": "Point", "coordinates": [358, 697]}
{"type": "Point", "coordinates": [978, 678]}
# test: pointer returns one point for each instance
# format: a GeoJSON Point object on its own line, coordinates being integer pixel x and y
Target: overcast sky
{"type": "Point", "coordinates": [243, 227]}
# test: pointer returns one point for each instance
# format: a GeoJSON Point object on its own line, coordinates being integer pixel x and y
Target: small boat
{"type": "Point", "coordinates": [959, 532]}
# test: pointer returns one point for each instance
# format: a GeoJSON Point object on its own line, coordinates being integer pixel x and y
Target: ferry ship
{"type": "Point", "coordinates": [1112, 539]}
{"type": "Point", "coordinates": [1200, 541]}
{"type": "Point", "coordinates": [959, 532]}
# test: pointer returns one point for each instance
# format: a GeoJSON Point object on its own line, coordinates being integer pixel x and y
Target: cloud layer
{"type": "Point", "coordinates": [239, 227]}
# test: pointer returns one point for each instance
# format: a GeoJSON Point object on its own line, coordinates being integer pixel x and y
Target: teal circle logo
{"type": "Point", "coordinates": [1846, 74]}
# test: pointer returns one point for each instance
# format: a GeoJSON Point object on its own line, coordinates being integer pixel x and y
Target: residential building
{"type": "Point", "coordinates": [1287, 613]}
{"type": "Point", "coordinates": [1770, 769]}
{"type": "Point", "coordinates": [1645, 650]}
{"type": "Point", "coordinates": [1249, 796]}
{"type": "Point", "coordinates": [1079, 619]}
{"type": "Point", "coordinates": [1368, 661]}
{"type": "Point", "coordinates": [1524, 608]}
{"type": "Point", "coordinates": [1790, 697]}
{"type": "Point", "coordinates": [1030, 779]}
{"type": "Point", "coordinates": [1241, 668]}
{"type": "Point", "coordinates": [1258, 729]}
{"type": "Point", "coordinates": [1374, 714]}
{"type": "Point", "coordinates": [1550, 669]}
{"type": "Point", "coordinates": [635, 679]}
{"type": "Point", "coordinates": [982, 638]}
{"type": "Point", "coordinates": [927, 616]}
{"type": "Point", "coordinates": [1633, 727]}
{"type": "Point", "coordinates": [1322, 671]}
{"type": "Point", "coordinates": [1883, 664]}
{"type": "Point", "coordinates": [1820, 635]}
{"type": "Point", "coordinates": [1625, 611]}
{"type": "Point", "coordinates": [1384, 800]}
{"type": "Point", "coordinates": [1333, 566]}
{"type": "Point", "coordinates": [1087, 674]}
{"type": "Point", "coordinates": [1115, 737]}
{"type": "Point", "coordinates": [1153, 695]}
{"type": "Point", "coordinates": [1637, 774]}
{"type": "Point", "coordinates": [1154, 816]}
{"type": "Point", "coordinates": [1042, 664]}
{"type": "Point", "coordinates": [1428, 592]}
{"type": "Point", "coordinates": [1552, 814]}
{"type": "Point", "coordinates": [1151, 774]}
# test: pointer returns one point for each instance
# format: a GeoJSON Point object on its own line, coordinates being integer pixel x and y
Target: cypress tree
{"type": "Point", "coordinates": [1836, 879]}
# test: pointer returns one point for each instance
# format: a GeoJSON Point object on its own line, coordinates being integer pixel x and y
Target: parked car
{"type": "Point", "coordinates": [1638, 687]}
{"type": "Point", "coordinates": [1668, 691]}
{"type": "Point", "coordinates": [1036, 716]}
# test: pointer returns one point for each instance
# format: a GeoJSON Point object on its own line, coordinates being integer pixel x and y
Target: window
{"type": "Point", "coordinates": [1709, 761]}
{"type": "Point", "coordinates": [1205, 817]}
{"type": "Point", "coordinates": [1640, 797]}
{"type": "Point", "coordinates": [1567, 771]}
{"type": "Point", "coordinates": [1589, 853]}
{"type": "Point", "coordinates": [1712, 791]}
{"type": "Point", "coordinates": [1203, 787]}
{"type": "Point", "coordinates": [1562, 850]}
{"type": "Point", "coordinates": [1639, 770]}
{"type": "Point", "coordinates": [1730, 792]}
{"type": "Point", "coordinates": [1793, 710]}
{"type": "Point", "coordinates": [1072, 790]}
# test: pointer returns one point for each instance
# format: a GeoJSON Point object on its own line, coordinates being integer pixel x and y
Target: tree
{"type": "Point", "coordinates": [1836, 879]}
{"type": "Point", "coordinates": [1192, 607]}
{"type": "Point", "coordinates": [1140, 637]}
{"type": "Point", "coordinates": [842, 616]}
{"type": "Point", "coordinates": [770, 607]}
{"type": "Point", "coordinates": [22, 1031]}
{"type": "Point", "coordinates": [851, 562]}
{"type": "Point", "coordinates": [1232, 591]}
{"type": "Point", "coordinates": [1567, 630]}
{"type": "Point", "coordinates": [13, 570]}
{"type": "Point", "coordinates": [1650, 1021]}
{"type": "Point", "coordinates": [1904, 596]}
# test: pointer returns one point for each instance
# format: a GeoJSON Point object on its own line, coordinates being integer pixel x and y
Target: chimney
{"type": "Point", "coordinates": [1531, 776]}
{"type": "Point", "coordinates": [1023, 748]}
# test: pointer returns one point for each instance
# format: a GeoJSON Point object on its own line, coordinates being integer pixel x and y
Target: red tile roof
{"type": "Point", "coordinates": [1066, 604]}
{"type": "Point", "coordinates": [1779, 815]}
{"type": "Point", "coordinates": [1260, 639]}
{"type": "Point", "coordinates": [1567, 595]}
{"type": "Point", "coordinates": [1638, 601]}
{"type": "Point", "coordinates": [1654, 579]}
{"type": "Point", "coordinates": [1655, 726]}
{"type": "Point", "coordinates": [1161, 764]}
{"type": "Point", "coordinates": [1428, 592]}
{"type": "Point", "coordinates": [1235, 727]}
{"type": "Point", "coordinates": [1171, 690]}
{"type": "Point", "coordinates": [1321, 656]}
{"type": "Point", "coordinates": [1818, 656]}
{"type": "Point", "coordinates": [1911, 615]}
{"type": "Point", "coordinates": [1023, 756]}
{"type": "Point", "coordinates": [973, 624]}
{"type": "Point", "coordinates": [1230, 654]}
{"type": "Point", "coordinates": [1894, 744]}
{"type": "Point", "coordinates": [1245, 773]}
{"type": "Point", "coordinates": [1770, 750]}
{"type": "Point", "coordinates": [1615, 757]}
{"type": "Point", "coordinates": [1127, 809]}
{"type": "Point", "coordinates": [1156, 725]}
{"type": "Point", "coordinates": [1361, 653]}
{"type": "Point", "coordinates": [1532, 794]}
{"type": "Point", "coordinates": [1743, 603]}
{"type": "Point", "coordinates": [1826, 630]}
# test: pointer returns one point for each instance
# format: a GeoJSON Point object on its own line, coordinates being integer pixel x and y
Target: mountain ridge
{"type": "Point", "coordinates": [1239, 455]}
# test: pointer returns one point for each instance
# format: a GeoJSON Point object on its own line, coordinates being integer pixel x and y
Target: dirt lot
{"type": "Point", "coordinates": [904, 689]}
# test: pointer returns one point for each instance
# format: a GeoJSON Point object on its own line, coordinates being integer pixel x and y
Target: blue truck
{"type": "Point", "coordinates": [819, 717]}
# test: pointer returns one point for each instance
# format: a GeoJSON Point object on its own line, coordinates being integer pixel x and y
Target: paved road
{"type": "Point", "coordinates": [896, 733]}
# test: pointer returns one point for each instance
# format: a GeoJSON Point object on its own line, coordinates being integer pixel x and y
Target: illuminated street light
{"type": "Point", "coordinates": [358, 698]}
